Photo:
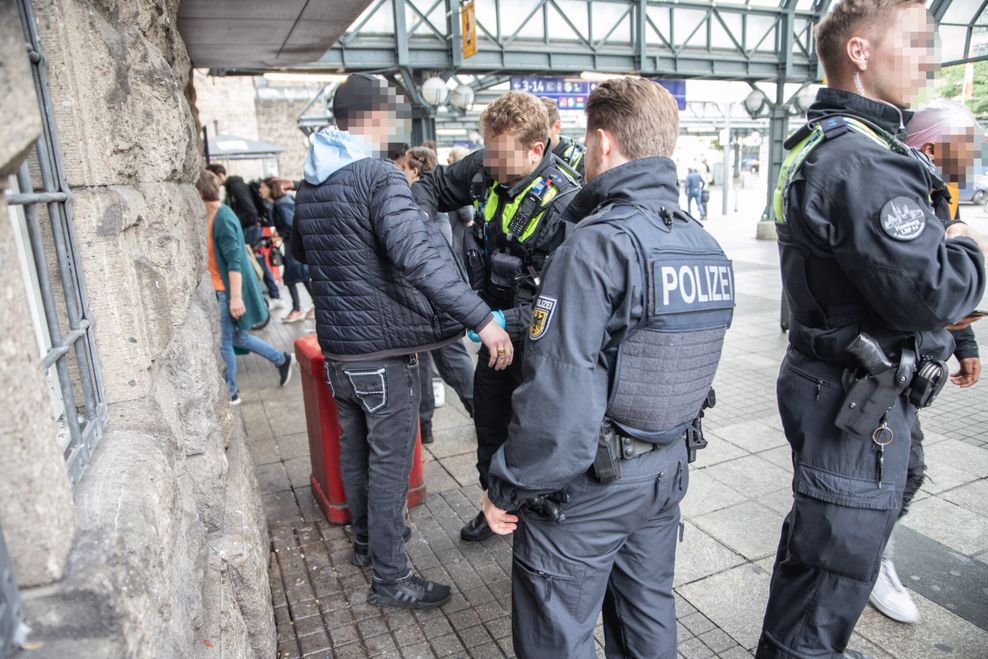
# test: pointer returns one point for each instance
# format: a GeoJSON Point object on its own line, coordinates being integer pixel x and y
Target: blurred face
{"type": "Point", "coordinates": [381, 127]}
{"type": "Point", "coordinates": [900, 60]}
{"type": "Point", "coordinates": [265, 191]}
{"type": "Point", "coordinates": [956, 157]}
{"type": "Point", "coordinates": [508, 160]}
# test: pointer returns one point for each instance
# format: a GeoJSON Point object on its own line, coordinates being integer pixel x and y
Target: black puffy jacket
{"type": "Point", "coordinates": [384, 281]}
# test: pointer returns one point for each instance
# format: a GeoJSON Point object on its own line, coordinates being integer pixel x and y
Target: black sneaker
{"type": "Point", "coordinates": [476, 530]}
{"type": "Point", "coordinates": [361, 555]}
{"type": "Point", "coordinates": [285, 370]}
{"type": "Point", "coordinates": [412, 592]}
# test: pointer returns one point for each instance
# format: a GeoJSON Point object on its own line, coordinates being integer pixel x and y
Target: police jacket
{"type": "Point", "coordinates": [465, 183]}
{"type": "Point", "coordinates": [384, 282]}
{"type": "Point", "coordinates": [591, 301]}
{"type": "Point", "coordinates": [860, 247]}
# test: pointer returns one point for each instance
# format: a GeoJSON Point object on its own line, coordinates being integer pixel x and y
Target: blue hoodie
{"type": "Point", "coordinates": [331, 150]}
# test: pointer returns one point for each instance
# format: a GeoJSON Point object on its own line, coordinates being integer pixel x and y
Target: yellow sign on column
{"type": "Point", "coordinates": [468, 29]}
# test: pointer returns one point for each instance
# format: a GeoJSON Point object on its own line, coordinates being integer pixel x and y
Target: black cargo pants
{"type": "Point", "coordinates": [832, 539]}
{"type": "Point", "coordinates": [616, 549]}
{"type": "Point", "coordinates": [492, 406]}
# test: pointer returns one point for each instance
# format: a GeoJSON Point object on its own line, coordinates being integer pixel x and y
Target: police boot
{"type": "Point", "coordinates": [476, 530]}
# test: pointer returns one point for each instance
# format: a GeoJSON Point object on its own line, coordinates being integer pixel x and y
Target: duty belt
{"type": "Point", "coordinates": [612, 447]}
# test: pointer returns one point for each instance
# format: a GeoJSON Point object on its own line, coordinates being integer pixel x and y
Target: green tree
{"type": "Point", "coordinates": [950, 82]}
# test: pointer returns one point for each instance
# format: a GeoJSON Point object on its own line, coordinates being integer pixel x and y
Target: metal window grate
{"type": "Point", "coordinates": [72, 352]}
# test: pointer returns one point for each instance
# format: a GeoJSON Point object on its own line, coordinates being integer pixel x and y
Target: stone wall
{"type": "Point", "coordinates": [169, 544]}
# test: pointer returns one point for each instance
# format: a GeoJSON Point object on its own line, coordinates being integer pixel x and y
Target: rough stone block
{"type": "Point", "coordinates": [143, 255]}
{"type": "Point", "coordinates": [18, 102]}
{"type": "Point", "coordinates": [121, 109]}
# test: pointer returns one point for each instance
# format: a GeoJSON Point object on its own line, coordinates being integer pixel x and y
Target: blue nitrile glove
{"type": "Point", "coordinates": [498, 318]}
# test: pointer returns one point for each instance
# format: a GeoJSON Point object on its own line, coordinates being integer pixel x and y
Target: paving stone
{"type": "Point", "coordinates": [417, 651]}
{"type": "Point", "coordinates": [741, 613]}
{"type": "Point", "coordinates": [748, 528]}
{"type": "Point", "coordinates": [972, 497]}
{"type": "Point", "coordinates": [753, 436]}
{"type": "Point", "coordinates": [314, 643]}
{"type": "Point", "coordinates": [781, 500]}
{"type": "Point", "coordinates": [718, 450]}
{"type": "Point", "coordinates": [264, 452]}
{"type": "Point", "coordinates": [295, 445]}
{"type": "Point", "coordinates": [707, 494]}
{"type": "Point", "coordinates": [718, 640]}
{"type": "Point", "coordinates": [699, 556]}
{"type": "Point", "coordinates": [447, 646]}
{"type": "Point", "coordinates": [751, 475]}
{"type": "Point", "coordinates": [694, 649]}
{"type": "Point", "coordinates": [381, 645]}
{"type": "Point", "coordinates": [949, 524]}
{"type": "Point", "coordinates": [940, 633]}
{"type": "Point", "coordinates": [343, 635]}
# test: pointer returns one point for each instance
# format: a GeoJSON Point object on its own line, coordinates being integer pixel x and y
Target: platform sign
{"type": "Point", "coordinates": [468, 29]}
{"type": "Point", "coordinates": [678, 90]}
{"type": "Point", "coordinates": [568, 94]}
{"type": "Point", "coordinates": [573, 94]}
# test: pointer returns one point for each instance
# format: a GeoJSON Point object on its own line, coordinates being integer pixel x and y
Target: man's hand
{"type": "Point", "coordinates": [499, 344]}
{"type": "Point", "coordinates": [961, 230]}
{"type": "Point", "coordinates": [968, 374]}
{"type": "Point", "coordinates": [237, 308]}
{"type": "Point", "coordinates": [501, 522]}
{"type": "Point", "coordinates": [964, 323]}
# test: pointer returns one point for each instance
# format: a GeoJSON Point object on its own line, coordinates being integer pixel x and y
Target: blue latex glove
{"type": "Point", "coordinates": [498, 318]}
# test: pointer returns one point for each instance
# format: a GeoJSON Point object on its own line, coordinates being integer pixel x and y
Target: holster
{"type": "Point", "coordinates": [607, 463]}
{"type": "Point", "coordinates": [870, 395]}
{"type": "Point", "coordinates": [474, 258]}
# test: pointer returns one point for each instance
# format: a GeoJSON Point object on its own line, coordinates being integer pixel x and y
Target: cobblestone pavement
{"type": "Point", "coordinates": [739, 492]}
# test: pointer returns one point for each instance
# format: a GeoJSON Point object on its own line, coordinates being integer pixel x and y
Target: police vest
{"type": "Point", "coordinates": [666, 364]}
{"type": "Point", "coordinates": [572, 154]}
{"type": "Point", "coordinates": [517, 220]}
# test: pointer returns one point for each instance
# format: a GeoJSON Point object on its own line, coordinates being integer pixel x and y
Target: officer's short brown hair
{"type": "Point", "coordinates": [208, 186]}
{"type": "Point", "coordinates": [848, 19]}
{"type": "Point", "coordinates": [517, 112]}
{"type": "Point", "coordinates": [552, 109]}
{"type": "Point", "coordinates": [641, 115]}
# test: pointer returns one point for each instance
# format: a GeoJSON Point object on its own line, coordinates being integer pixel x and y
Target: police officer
{"type": "Point", "coordinates": [518, 190]}
{"type": "Point", "coordinates": [872, 279]}
{"type": "Point", "coordinates": [567, 150]}
{"type": "Point", "coordinates": [626, 336]}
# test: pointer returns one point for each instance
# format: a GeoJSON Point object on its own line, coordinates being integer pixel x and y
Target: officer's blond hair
{"type": "Point", "coordinates": [519, 113]}
{"type": "Point", "coordinates": [641, 115]}
{"type": "Point", "coordinates": [848, 19]}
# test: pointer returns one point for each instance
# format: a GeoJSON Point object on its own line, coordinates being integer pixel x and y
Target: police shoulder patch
{"type": "Point", "coordinates": [903, 219]}
{"type": "Point", "coordinates": [541, 316]}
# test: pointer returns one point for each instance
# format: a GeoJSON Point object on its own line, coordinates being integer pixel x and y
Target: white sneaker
{"type": "Point", "coordinates": [891, 598]}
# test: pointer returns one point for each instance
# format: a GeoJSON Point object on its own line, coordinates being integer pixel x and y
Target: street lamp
{"type": "Point", "coordinates": [462, 97]}
{"type": "Point", "coordinates": [435, 91]}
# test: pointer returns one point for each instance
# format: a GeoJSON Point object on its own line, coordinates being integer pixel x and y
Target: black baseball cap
{"type": "Point", "coordinates": [362, 93]}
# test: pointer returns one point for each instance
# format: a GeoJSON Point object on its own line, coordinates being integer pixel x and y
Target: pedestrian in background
{"type": "Point", "coordinates": [239, 296]}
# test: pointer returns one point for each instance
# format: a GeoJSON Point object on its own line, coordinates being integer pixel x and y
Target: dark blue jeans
{"type": "Point", "coordinates": [378, 404]}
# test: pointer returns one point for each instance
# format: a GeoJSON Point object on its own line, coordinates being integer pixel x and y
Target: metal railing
{"type": "Point", "coordinates": [72, 351]}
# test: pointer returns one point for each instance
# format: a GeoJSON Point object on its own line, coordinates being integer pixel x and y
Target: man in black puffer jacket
{"type": "Point", "coordinates": [386, 287]}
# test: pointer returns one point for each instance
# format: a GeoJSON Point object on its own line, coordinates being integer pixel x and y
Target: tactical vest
{"type": "Point", "coordinates": [572, 154]}
{"type": "Point", "coordinates": [511, 237]}
{"type": "Point", "coordinates": [666, 364]}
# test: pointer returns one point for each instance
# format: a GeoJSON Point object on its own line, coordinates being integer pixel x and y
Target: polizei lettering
{"type": "Point", "coordinates": [692, 285]}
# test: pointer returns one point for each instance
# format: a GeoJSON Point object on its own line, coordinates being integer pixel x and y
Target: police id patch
{"type": "Point", "coordinates": [903, 219]}
{"type": "Point", "coordinates": [541, 316]}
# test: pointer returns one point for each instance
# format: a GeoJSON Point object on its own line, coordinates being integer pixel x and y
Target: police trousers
{"type": "Point", "coordinates": [616, 549]}
{"type": "Point", "coordinates": [492, 406]}
{"type": "Point", "coordinates": [833, 538]}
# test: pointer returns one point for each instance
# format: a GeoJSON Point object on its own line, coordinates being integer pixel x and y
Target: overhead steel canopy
{"type": "Point", "coordinates": [752, 40]}
{"type": "Point", "coordinates": [259, 34]}
{"type": "Point", "coordinates": [963, 28]}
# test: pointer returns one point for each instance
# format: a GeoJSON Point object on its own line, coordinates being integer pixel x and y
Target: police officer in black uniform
{"type": "Point", "coordinates": [625, 339]}
{"type": "Point", "coordinates": [518, 190]}
{"type": "Point", "coordinates": [569, 151]}
{"type": "Point", "coordinates": [872, 279]}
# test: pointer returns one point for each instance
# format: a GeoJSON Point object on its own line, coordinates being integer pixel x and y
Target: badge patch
{"type": "Point", "coordinates": [903, 219]}
{"type": "Point", "coordinates": [541, 316]}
